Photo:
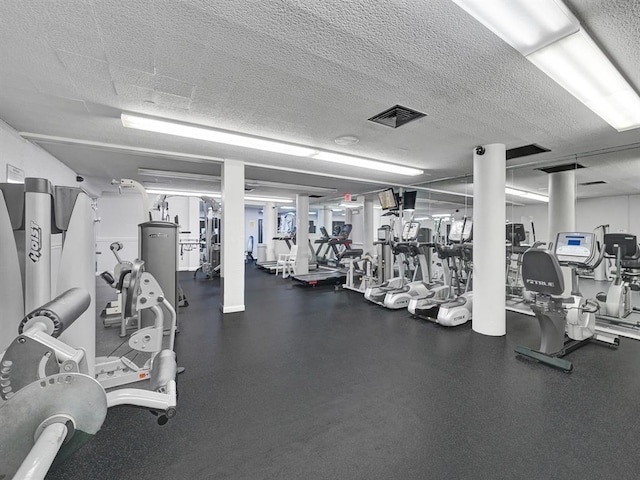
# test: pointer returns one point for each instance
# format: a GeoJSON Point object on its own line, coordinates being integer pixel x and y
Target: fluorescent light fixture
{"type": "Point", "coordinates": [288, 186]}
{"type": "Point", "coordinates": [235, 139]}
{"type": "Point", "coordinates": [525, 194]}
{"type": "Point", "coordinates": [441, 215]}
{"type": "Point", "coordinates": [580, 67]}
{"type": "Point", "coordinates": [422, 218]}
{"type": "Point", "coordinates": [551, 38]}
{"type": "Point", "coordinates": [313, 213]}
{"type": "Point", "coordinates": [268, 199]}
{"type": "Point", "coordinates": [365, 163]}
{"type": "Point", "coordinates": [149, 172]}
{"type": "Point", "coordinates": [199, 133]}
{"type": "Point", "coordinates": [337, 209]}
{"type": "Point", "coordinates": [287, 208]}
{"type": "Point", "coordinates": [524, 24]}
{"type": "Point", "coordinates": [184, 193]}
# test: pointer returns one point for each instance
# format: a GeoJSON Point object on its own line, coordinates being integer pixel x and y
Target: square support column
{"type": "Point", "coordinates": [327, 219]}
{"type": "Point", "coordinates": [233, 242]}
{"type": "Point", "coordinates": [368, 234]}
{"type": "Point", "coordinates": [270, 228]}
{"type": "Point", "coordinates": [302, 234]}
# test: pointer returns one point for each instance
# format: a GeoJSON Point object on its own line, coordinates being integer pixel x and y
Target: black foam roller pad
{"type": "Point", "coordinates": [62, 311]}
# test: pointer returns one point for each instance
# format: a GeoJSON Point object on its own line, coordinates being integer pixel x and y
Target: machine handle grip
{"type": "Point", "coordinates": [60, 313]}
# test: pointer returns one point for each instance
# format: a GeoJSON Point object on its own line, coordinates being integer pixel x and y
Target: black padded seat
{"type": "Point", "coordinates": [541, 272]}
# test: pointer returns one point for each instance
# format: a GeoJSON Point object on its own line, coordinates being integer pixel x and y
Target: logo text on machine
{"type": "Point", "coordinates": [35, 250]}
{"type": "Point", "coordinates": [541, 282]}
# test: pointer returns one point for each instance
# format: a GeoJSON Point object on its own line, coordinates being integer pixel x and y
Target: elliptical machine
{"type": "Point", "coordinates": [415, 245]}
{"type": "Point", "coordinates": [615, 304]}
{"type": "Point", "coordinates": [378, 293]}
{"type": "Point", "coordinates": [566, 323]}
{"type": "Point", "coordinates": [450, 304]}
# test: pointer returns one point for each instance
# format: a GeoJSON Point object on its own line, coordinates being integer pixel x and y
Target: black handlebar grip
{"type": "Point", "coordinates": [60, 312]}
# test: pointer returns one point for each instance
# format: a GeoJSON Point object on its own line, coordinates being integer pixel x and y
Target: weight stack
{"type": "Point", "coordinates": [158, 248]}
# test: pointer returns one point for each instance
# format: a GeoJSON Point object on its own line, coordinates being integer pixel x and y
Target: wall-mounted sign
{"type": "Point", "coordinates": [14, 174]}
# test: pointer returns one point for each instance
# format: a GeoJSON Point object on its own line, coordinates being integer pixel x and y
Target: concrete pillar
{"type": "Point", "coordinates": [562, 211]}
{"type": "Point", "coordinates": [489, 260]}
{"type": "Point", "coordinates": [302, 234]}
{"type": "Point", "coordinates": [232, 256]}
{"type": "Point", "coordinates": [368, 234]}
{"type": "Point", "coordinates": [269, 229]}
{"type": "Point", "coordinates": [562, 203]}
{"type": "Point", "coordinates": [328, 219]}
{"type": "Point", "coordinates": [348, 216]}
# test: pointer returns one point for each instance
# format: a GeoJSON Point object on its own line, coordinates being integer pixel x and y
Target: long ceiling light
{"type": "Point", "coordinates": [150, 172]}
{"type": "Point", "coordinates": [228, 138]}
{"type": "Point", "coordinates": [550, 37]}
{"type": "Point", "coordinates": [525, 194]}
{"type": "Point", "coordinates": [185, 193]}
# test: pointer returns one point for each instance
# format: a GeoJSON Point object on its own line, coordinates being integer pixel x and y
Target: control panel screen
{"type": "Point", "coordinates": [410, 230]}
{"type": "Point", "coordinates": [574, 247]}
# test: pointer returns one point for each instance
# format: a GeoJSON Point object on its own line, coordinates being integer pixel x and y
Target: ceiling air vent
{"type": "Point", "coordinates": [396, 116]}
{"type": "Point", "coordinates": [525, 151]}
{"type": "Point", "coordinates": [597, 182]}
{"type": "Point", "coordinates": [561, 168]}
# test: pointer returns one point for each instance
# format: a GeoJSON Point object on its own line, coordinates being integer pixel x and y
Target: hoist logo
{"type": "Point", "coordinates": [35, 234]}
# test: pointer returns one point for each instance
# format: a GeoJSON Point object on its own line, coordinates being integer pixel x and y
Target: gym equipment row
{"type": "Point", "coordinates": [47, 248]}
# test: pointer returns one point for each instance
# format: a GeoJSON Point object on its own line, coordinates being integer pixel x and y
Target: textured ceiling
{"type": "Point", "coordinates": [304, 72]}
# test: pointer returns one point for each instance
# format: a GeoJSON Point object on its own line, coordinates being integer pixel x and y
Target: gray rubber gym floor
{"type": "Point", "coordinates": [318, 384]}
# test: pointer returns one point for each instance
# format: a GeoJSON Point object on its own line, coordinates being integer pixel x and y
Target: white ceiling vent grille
{"type": "Point", "coordinates": [397, 116]}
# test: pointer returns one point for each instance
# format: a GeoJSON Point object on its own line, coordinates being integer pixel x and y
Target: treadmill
{"type": "Point", "coordinates": [337, 275]}
{"type": "Point", "coordinates": [322, 242]}
{"type": "Point", "coordinates": [270, 267]}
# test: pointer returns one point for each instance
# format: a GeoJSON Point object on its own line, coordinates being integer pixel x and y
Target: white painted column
{"type": "Point", "coordinates": [562, 211]}
{"type": "Point", "coordinates": [270, 227]}
{"type": "Point", "coordinates": [232, 255]}
{"type": "Point", "coordinates": [562, 203]}
{"type": "Point", "coordinates": [328, 219]}
{"type": "Point", "coordinates": [302, 234]}
{"type": "Point", "coordinates": [348, 216]}
{"type": "Point", "coordinates": [489, 260]}
{"type": "Point", "coordinates": [367, 235]}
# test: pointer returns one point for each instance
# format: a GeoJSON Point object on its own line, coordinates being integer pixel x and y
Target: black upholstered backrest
{"type": "Point", "coordinates": [541, 272]}
{"type": "Point", "coordinates": [627, 243]}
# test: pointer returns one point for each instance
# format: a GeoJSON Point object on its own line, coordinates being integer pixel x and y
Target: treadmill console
{"type": "Point", "coordinates": [516, 233]}
{"type": "Point", "coordinates": [384, 233]}
{"type": "Point", "coordinates": [461, 231]}
{"type": "Point", "coordinates": [410, 231]}
{"type": "Point", "coordinates": [575, 248]}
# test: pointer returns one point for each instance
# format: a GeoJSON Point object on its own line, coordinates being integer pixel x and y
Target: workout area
{"type": "Point", "coordinates": [254, 240]}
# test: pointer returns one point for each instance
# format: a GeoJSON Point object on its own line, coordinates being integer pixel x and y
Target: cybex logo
{"type": "Point", "coordinates": [541, 282]}
{"type": "Point", "coordinates": [459, 317]}
{"type": "Point", "coordinates": [35, 250]}
{"type": "Point", "coordinates": [158, 235]}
